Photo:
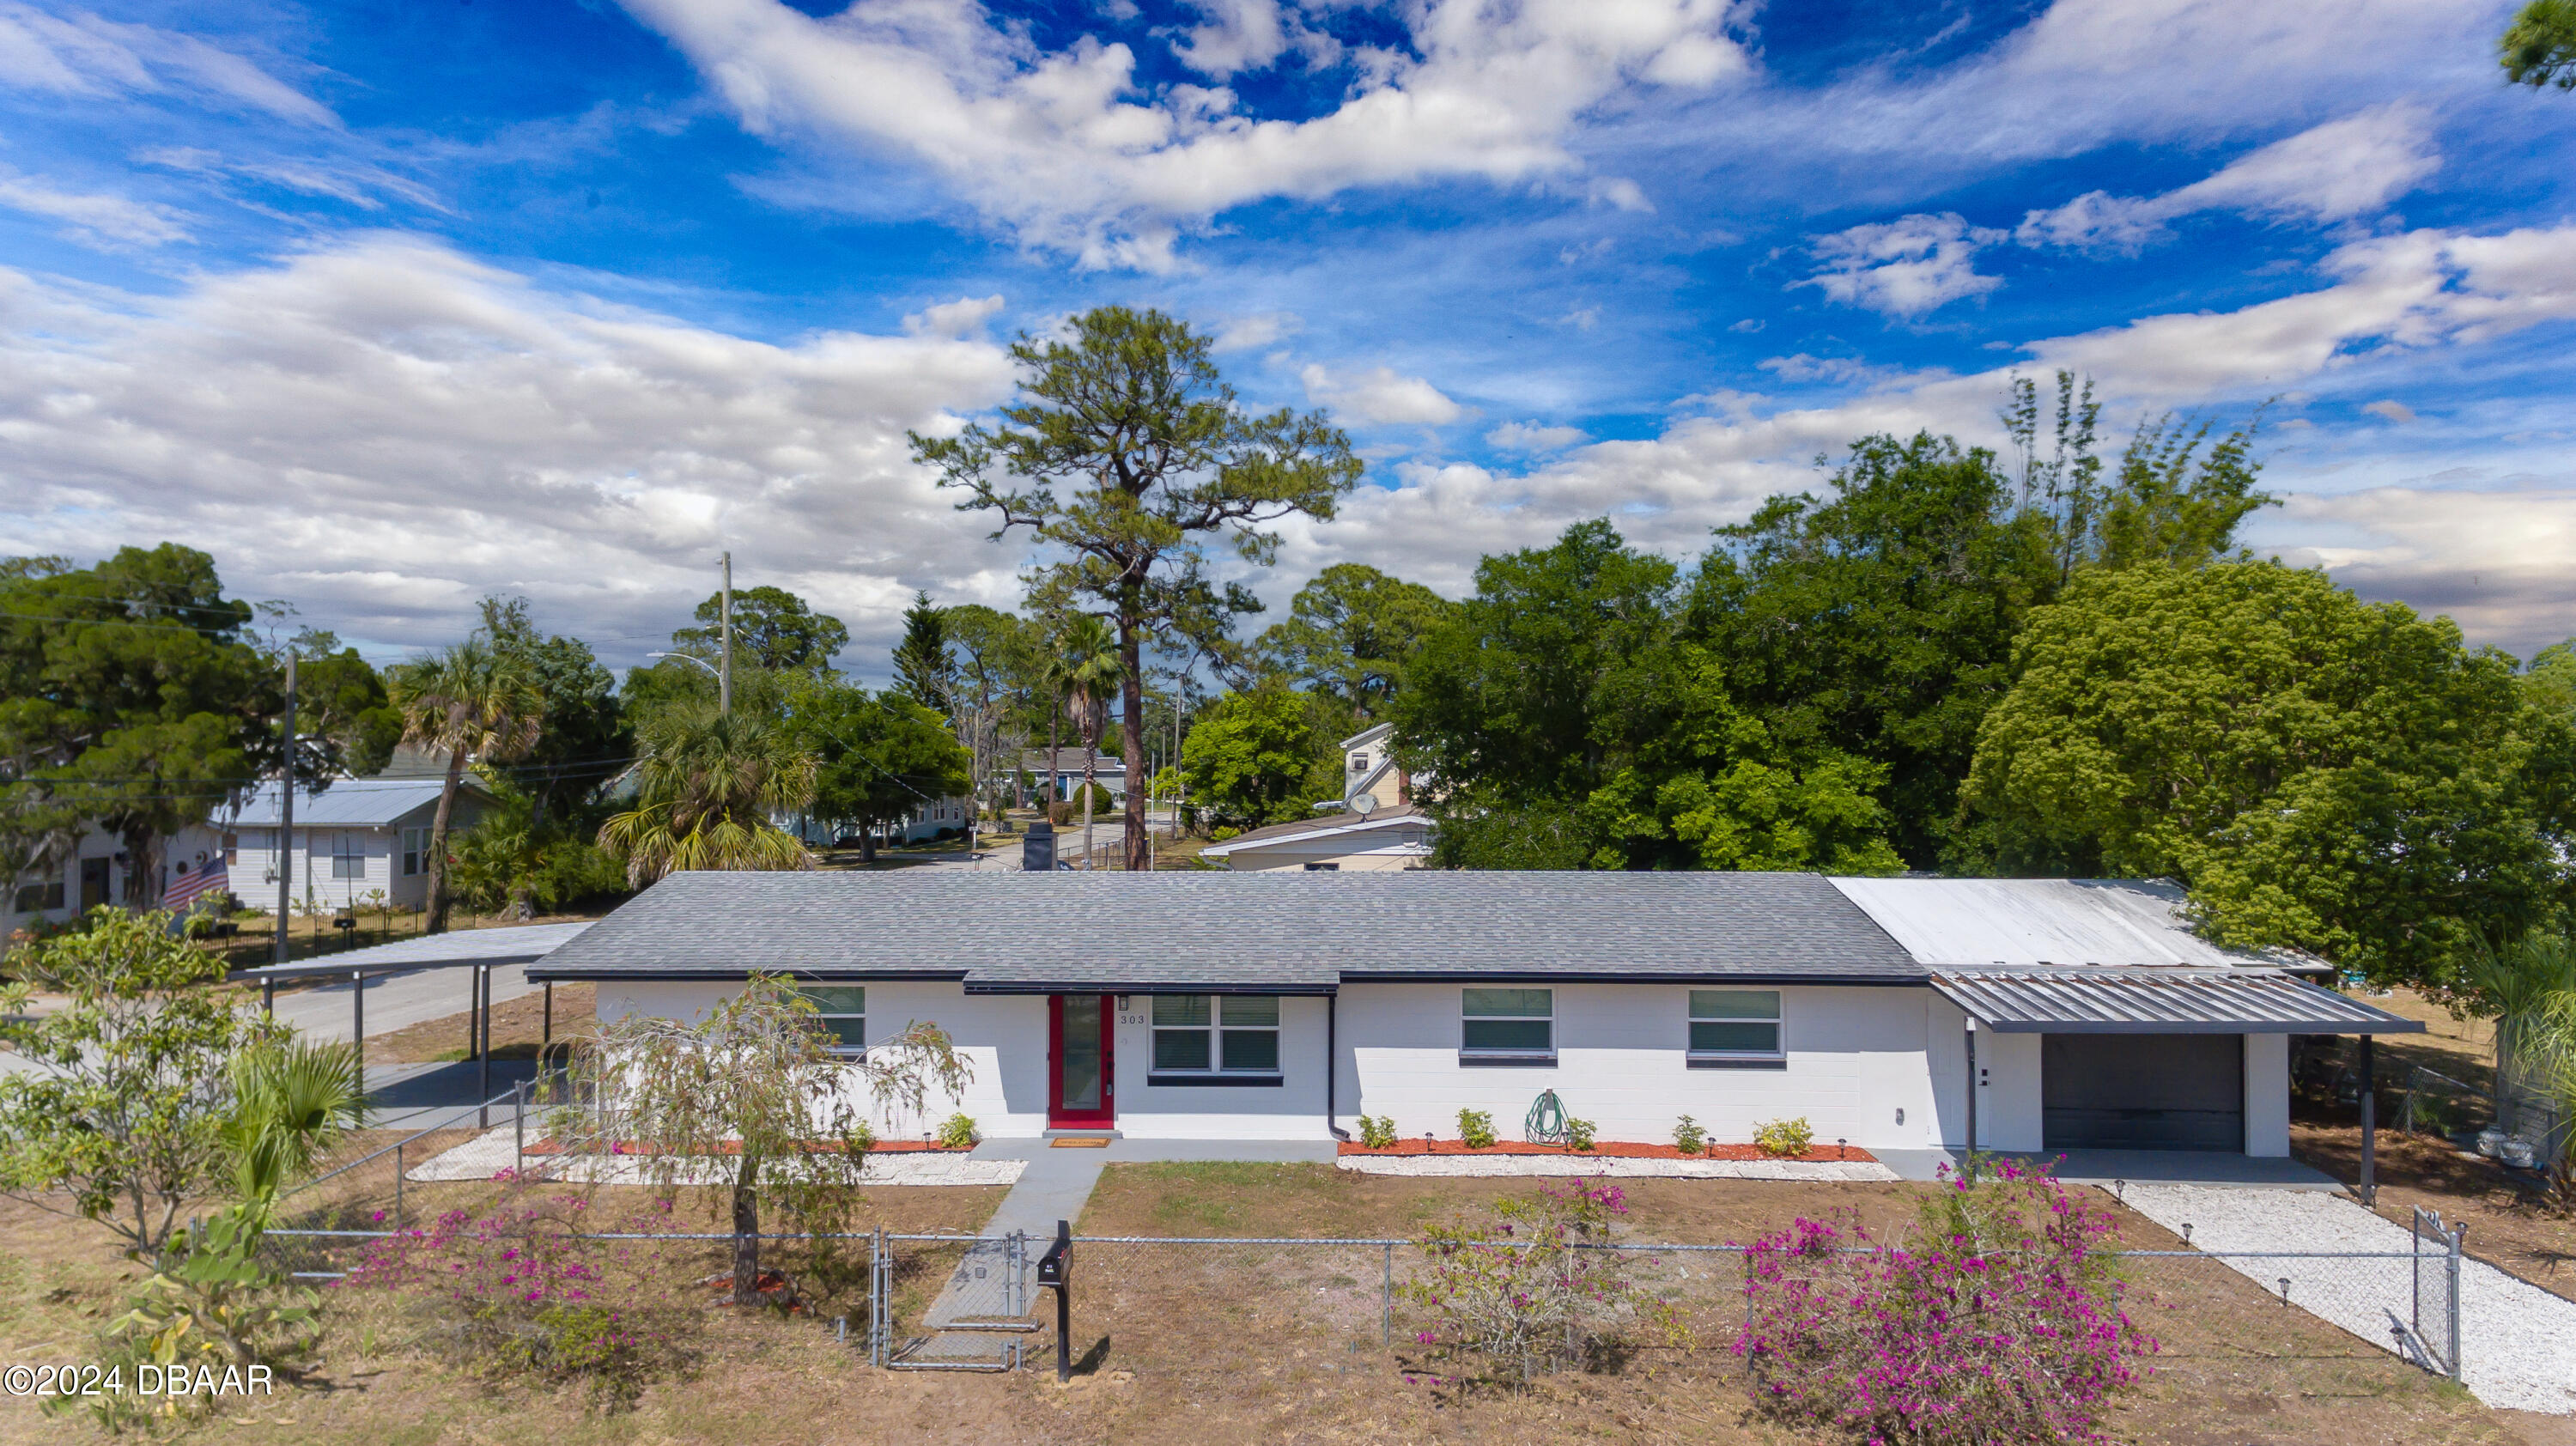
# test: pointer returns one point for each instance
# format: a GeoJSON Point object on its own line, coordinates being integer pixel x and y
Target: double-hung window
{"type": "Point", "coordinates": [1735, 1029]}
{"type": "Point", "coordinates": [415, 852]}
{"type": "Point", "coordinates": [349, 855]}
{"type": "Point", "coordinates": [1215, 1039]}
{"type": "Point", "coordinates": [1507, 1026]}
{"type": "Point", "coordinates": [39, 896]}
{"type": "Point", "coordinates": [843, 1015]}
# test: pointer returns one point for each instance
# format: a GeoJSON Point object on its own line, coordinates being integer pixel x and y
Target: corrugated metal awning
{"type": "Point", "coordinates": [2159, 1001]}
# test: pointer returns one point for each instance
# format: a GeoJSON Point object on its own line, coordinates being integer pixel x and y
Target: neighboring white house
{"type": "Point", "coordinates": [1397, 838]}
{"type": "Point", "coordinates": [94, 872]}
{"type": "Point", "coordinates": [358, 836]}
{"type": "Point", "coordinates": [1282, 1005]}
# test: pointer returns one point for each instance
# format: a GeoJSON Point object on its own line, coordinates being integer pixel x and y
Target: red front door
{"type": "Point", "coordinates": [1080, 1070]}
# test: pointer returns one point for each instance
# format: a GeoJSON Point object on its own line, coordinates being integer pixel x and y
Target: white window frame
{"type": "Point", "coordinates": [1220, 1024]}
{"type": "Point", "coordinates": [1776, 1057]}
{"type": "Point", "coordinates": [415, 852]}
{"type": "Point", "coordinates": [1468, 1016]}
{"type": "Point", "coordinates": [840, 1020]}
{"type": "Point", "coordinates": [349, 850]}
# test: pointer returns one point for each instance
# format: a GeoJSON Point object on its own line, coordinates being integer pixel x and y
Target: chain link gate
{"type": "Point", "coordinates": [2433, 1332]}
{"type": "Point", "coordinates": [975, 1320]}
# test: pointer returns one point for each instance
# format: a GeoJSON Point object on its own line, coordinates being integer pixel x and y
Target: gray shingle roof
{"type": "Point", "coordinates": [1270, 932]}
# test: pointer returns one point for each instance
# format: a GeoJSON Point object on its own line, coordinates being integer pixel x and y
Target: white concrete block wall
{"type": "Point", "coordinates": [1291, 1110]}
{"type": "Point", "coordinates": [1855, 1057]}
{"type": "Point", "coordinates": [2008, 1096]}
{"type": "Point", "coordinates": [2267, 1095]}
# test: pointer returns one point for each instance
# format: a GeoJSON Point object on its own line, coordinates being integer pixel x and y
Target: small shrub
{"type": "Point", "coordinates": [1578, 1133]}
{"type": "Point", "coordinates": [1786, 1139]}
{"type": "Point", "coordinates": [1688, 1137]}
{"type": "Point", "coordinates": [958, 1131]}
{"type": "Point", "coordinates": [1521, 1290]}
{"type": "Point", "coordinates": [1996, 1321]}
{"type": "Point", "coordinates": [1377, 1131]}
{"type": "Point", "coordinates": [1476, 1128]}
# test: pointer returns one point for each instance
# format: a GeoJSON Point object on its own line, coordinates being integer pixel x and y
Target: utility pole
{"type": "Point", "coordinates": [724, 676]}
{"type": "Point", "coordinates": [286, 815]}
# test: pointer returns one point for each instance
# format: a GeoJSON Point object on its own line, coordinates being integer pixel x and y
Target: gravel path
{"type": "Point", "coordinates": [2518, 1342]}
{"type": "Point", "coordinates": [1566, 1166]}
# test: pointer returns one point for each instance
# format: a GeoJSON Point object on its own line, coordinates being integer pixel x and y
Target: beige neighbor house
{"type": "Point", "coordinates": [1378, 827]}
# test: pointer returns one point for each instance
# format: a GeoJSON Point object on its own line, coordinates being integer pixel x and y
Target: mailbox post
{"type": "Point", "coordinates": [1055, 1272]}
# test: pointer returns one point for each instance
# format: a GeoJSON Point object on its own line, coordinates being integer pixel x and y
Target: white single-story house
{"type": "Point", "coordinates": [1283, 1004]}
{"type": "Point", "coordinates": [93, 870]}
{"type": "Point", "coordinates": [352, 840]}
{"type": "Point", "coordinates": [1395, 838]}
{"type": "Point", "coordinates": [1106, 770]}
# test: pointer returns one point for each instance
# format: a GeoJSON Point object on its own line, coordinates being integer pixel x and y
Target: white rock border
{"type": "Point", "coordinates": [1623, 1167]}
{"type": "Point", "coordinates": [489, 1154]}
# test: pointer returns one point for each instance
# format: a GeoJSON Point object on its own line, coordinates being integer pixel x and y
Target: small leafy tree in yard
{"type": "Point", "coordinates": [1998, 1320]}
{"type": "Point", "coordinates": [1689, 1137]}
{"type": "Point", "coordinates": [1522, 1288]}
{"type": "Point", "coordinates": [1476, 1129]}
{"type": "Point", "coordinates": [1377, 1131]}
{"type": "Point", "coordinates": [757, 1093]}
{"type": "Point", "coordinates": [128, 1110]}
{"type": "Point", "coordinates": [958, 1131]}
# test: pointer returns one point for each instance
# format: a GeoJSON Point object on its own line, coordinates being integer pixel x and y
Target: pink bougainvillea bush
{"type": "Point", "coordinates": [1998, 1318]}
{"type": "Point", "coordinates": [528, 1292]}
{"type": "Point", "coordinates": [1532, 1286]}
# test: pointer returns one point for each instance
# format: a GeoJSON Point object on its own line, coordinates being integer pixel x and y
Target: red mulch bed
{"type": "Point", "coordinates": [881, 1147]}
{"type": "Point", "coordinates": [1613, 1149]}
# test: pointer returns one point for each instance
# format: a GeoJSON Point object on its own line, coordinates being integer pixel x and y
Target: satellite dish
{"type": "Point", "coordinates": [1363, 804]}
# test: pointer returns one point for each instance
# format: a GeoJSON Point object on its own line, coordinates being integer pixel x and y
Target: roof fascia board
{"type": "Point", "coordinates": [543, 972]}
{"type": "Point", "coordinates": [1595, 976]}
{"type": "Point", "coordinates": [1087, 987]}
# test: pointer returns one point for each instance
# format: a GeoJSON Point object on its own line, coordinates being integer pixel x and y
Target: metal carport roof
{"type": "Point", "coordinates": [2159, 1001]}
{"type": "Point", "coordinates": [508, 944]}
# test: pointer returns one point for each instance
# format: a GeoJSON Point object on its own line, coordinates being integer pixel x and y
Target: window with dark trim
{"type": "Point", "coordinates": [348, 855]}
{"type": "Point", "coordinates": [1215, 1039]}
{"type": "Point", "coordinates": [1738, 1028]}
{"type": "Point", "coordinates": [1507, 1026]}
{"type": "Point", "coordinates": [843, 1014]}
{"type": "Point", "coordinates": [415, 851]}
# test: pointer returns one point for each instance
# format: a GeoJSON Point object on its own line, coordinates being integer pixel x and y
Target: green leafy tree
{"type": "Point", "coordinates": [753, 1088]}
{"type": "Point", "coordinates": [477, 702]}
{"type": "Point", "coordinates": [342, 710]}
{"type": "Point", "coordinates": [2539, 47]}
{"type": "Point", "coordinates": [126, 1120]}
{"type": "Point", "coordinates": [129, 695]}
{"type": "Point", "coordinates": [924, 666]}
{"type": "Point", "coordinates": [773, 629]}
{"type": "Point", "coordinates": [1259, 758]}
{"type": "Point", "coordinates": [1092, 665]}
{"type": "Point", "coordinates": [517, 860]}
{"type": "Point", "coordinates": [878, 758]}
{"type": "Point", "coordinates": [2550, 682]}
{"type": "Point", "coordinates": [1349, 633]}
{"type": "Point", "coordinates": [709, 785]}
{"type": "Point", "coordinates": [2338, 776]}
{"type": "Point", "coordinates": [999, 688]}
{"type": "Point", "coordinates": [587, 739]}
{"type": "Point", "coordinates": [1131, 414]}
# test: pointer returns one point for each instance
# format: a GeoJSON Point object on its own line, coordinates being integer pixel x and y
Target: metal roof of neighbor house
{"type": "Point", "coordinates": [2077, 1000]}
{"type": "Point", "coordinates": [1304, 828]}
{"type": "Point", "coordinates": [508, 944]}
{"type": "Point", "coordinates": [1982, 923]}
{"type": "Point", "coordinates": [350, 802]}
{"type": "Point", "coordinates": [1281, 932]}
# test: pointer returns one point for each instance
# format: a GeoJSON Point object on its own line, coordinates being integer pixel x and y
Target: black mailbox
{"type": "Point", "coordinates": [1055, 1268]}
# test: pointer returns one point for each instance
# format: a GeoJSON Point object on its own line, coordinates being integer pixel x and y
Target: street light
{"type": "Point", "coordinates": [691, 658]}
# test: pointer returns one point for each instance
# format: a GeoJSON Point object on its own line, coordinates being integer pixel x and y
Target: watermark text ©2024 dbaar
{"type": "Point", "coordinates": [149, 1380]}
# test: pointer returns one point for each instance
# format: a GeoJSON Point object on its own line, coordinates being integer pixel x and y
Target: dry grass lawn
{"type": "Point", "coordinates": [1217, 1346]}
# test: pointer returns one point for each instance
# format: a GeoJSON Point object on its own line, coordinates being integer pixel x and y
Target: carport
{"type": "Point", "coordinates": [2153, 1058]}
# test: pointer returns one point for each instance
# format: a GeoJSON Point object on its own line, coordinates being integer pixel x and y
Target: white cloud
{"type": "Point", "coordinates": [962, 317]}
{"type": "Point", "coordinates": [1582, 318]}
{"type": "Point", "coordinates": [1379, 395]}
{"type": "Point", "coordinates": [77, 53]}
{"type": "Point", "coordinates": [2334, 172]}
{"type": "Point", "coordinates": [1238, 35]}
{"type": "Point", "coordinates": [1532, 437]}
{"type": "Point", "coordinates": [386, 430]}
{"type": "Point", "coordinates": [1068, 151]}
{"type": "Point", "coordinates": [361, 185]}
{"type": "Point", "coordinates": [1904, 267]}
{"type": "Point", "coordinates": [2494, 561]}
{"type": "Point", "coordinates": [1248, 333]}
{"type": "Point", "coordinates": [2394, 411]}
{"type": "Point", "coordinates": [98, 219]}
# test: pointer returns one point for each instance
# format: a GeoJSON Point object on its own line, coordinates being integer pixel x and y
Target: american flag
{"type": "Point", "coordinates": [210, 877]}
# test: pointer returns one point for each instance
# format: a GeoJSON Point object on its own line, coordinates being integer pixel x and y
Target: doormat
{"type": "Point", "coordinates": [1091, 1144]}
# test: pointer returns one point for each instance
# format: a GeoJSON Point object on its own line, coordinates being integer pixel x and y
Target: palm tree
{"type": "Point", "coordinates": [709, 782]}
{"type": "Point", "coordinates": [475, 702]}
{"type": "Point", "coordinates": [1088, 659]}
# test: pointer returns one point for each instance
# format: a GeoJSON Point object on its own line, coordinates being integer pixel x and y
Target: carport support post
{"type": "Point", "coordinates": [358, 1025]}
{"type": "Point", "coordinates": [483, 1013]}
{"type": "Point", "coordinates": [2369, 1123]}
{"type": "Point", "coordinates": [1968, 1170]}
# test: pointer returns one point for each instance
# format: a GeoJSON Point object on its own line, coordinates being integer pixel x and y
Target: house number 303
{"type": "Point", "coordinates": [1131, 1019]}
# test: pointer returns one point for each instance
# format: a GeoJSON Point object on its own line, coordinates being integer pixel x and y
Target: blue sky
{"type": "Point", "coordinates": [392, 305]}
